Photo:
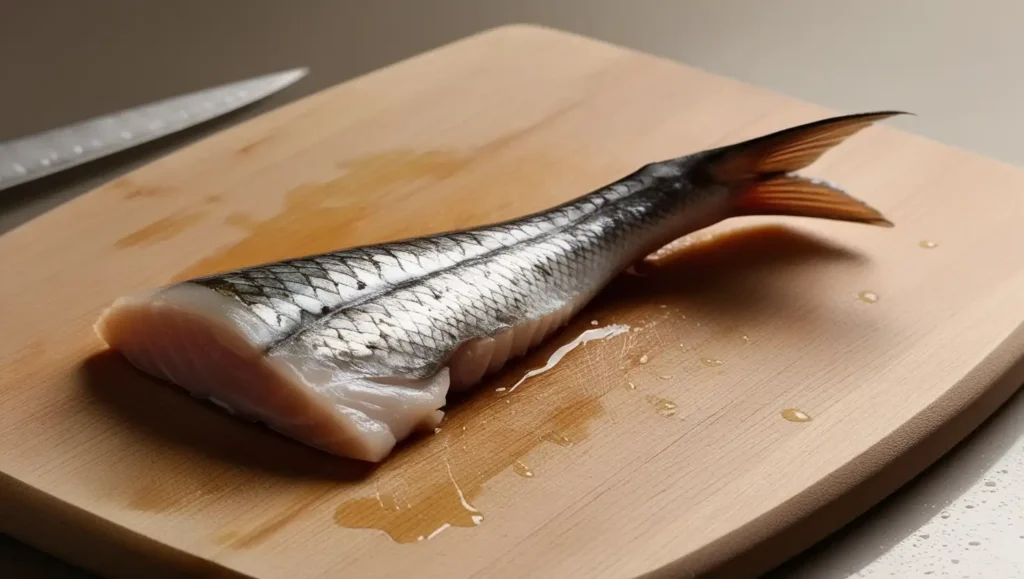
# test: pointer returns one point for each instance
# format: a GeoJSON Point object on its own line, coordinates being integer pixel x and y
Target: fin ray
{"type": "Point", "coordinates": [790, 149]}
{"type": "Point", "coordinates": [796, 196]}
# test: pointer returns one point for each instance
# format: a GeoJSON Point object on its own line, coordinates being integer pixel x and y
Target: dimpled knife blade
{"type": "Point", "coordinates": [27, 158]}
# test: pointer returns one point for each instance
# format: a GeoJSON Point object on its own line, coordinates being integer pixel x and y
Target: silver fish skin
{"type": "Point", "coordinates": [353, 351]}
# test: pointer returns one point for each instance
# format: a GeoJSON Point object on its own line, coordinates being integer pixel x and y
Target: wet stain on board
{"type": "Point", "coordinates": [377, 198]}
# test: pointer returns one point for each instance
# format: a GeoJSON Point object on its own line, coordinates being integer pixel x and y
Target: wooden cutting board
{"type": "Point", "coordinates": [779, 376]}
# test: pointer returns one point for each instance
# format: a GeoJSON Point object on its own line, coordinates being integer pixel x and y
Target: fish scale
{"type": "Point", "coordinates": [580, 254]}
{"type": "Point", "coordinates": [257, 286]}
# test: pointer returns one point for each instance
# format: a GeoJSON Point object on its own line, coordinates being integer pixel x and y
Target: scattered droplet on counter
{"type": "Point", "coordinates": [954, 561]}
{"type": "Point", "coordinates": [745, 338]}
{"type": "Point", "coordinates": [974, 543]}
{"type": "Point", "coordinates": [945, 515]}
{"type": "Point", "coordinates": [521, 469]}
{"type": "Point", "coordinates": [711, 362]}
{"type": "Point", "coordinates": [631, 386]}
{"type": "Point", "coordinates": [437, 430]}
{"type": "Point", "coordinates": [665, 376]}
{"type": "Point", "coordinates": [990, 483]}
{"type": "Point", "coordinates": [794, 415]}
{"type": "Point", "coordinates": [924, 243]}
{"type": "Point", "coordinates": [643, 359]}
{"type": "Point", "coordinates": [593, 322]}
{"type": "Point", "coordinates": [969, 506]}
{"type": "Point", "coordinates": [868, 297]}
{"type": "Point", "coordinates": [502, 389]}
{"type": "Point", "coordinates": [924, 536]}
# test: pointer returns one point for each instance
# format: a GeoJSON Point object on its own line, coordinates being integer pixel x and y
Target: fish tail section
{"type": "Point", "coordinates": [760, 171]}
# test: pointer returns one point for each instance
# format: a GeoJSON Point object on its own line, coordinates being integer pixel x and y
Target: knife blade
{"type": "Point", "coordinates": [27, 158]}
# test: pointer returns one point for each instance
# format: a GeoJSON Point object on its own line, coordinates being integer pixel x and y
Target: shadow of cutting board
{"type": "Point", "coordinates": [780, 375]}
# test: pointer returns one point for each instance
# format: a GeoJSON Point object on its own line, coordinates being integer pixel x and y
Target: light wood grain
{"type": "Point", "coordinates": [637, 455]}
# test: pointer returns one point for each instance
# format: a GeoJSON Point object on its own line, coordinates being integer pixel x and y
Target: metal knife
{"type": "Point", "coordinates": [27, 158]}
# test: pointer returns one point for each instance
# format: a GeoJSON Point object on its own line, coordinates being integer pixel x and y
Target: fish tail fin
{"type": "Point", "coordinates": [760, 171]}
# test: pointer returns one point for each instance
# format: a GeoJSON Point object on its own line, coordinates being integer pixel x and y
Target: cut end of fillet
{"type": "Point", "coordinates": [216, 348]}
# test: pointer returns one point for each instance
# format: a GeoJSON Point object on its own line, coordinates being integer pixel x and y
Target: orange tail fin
{"type": "Point", "coordinates": [761, 172]}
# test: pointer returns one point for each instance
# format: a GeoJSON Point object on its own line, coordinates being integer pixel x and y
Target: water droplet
{"type": "Point", "coordinates": [77, 149]}
{"type": "Point", "coordinates": [745, 338]}
{"type": "Point", "coordinates": [643, 359]}
{"type": "Point", "coordinates": [969, 506]}
{"type": "Point", "coordinates": [711, 362]}
{"type": "Point", "coordinates": [631, 386]}
{"type": "Point", "coordinates": [593, 322]}
{"type": "Point", "coordinates": [437, 430]}
{"type": "Point", "coordinates": [944, 515]}
{"type": "Point", "coordinates": [990, 483]}
{"type": "Point", "coordinates": [664, 406]}
{"type": "Point", "coordinates": [794, 415]}
{"type": "Point", "coordinates": [868, 297]}
{"type": "Point", "coordinates": [954, 561]}
{"type": "Point", "coordinates": [927, 244]}
{"type": "Point", "coordinates": [521, 469]}
{"type": "Point", "coordinates": [924, 536]}
{"type": "Point", "coordinates": [665, 377]}
{"type": "Point", "coordinates": [501, 389]}
{"type": "Point", "coordinates": [44, 162]}
{"type": "Point", "coordinates": [663, 306]}
{"type": "Point", "coordinates": [974, 543]}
